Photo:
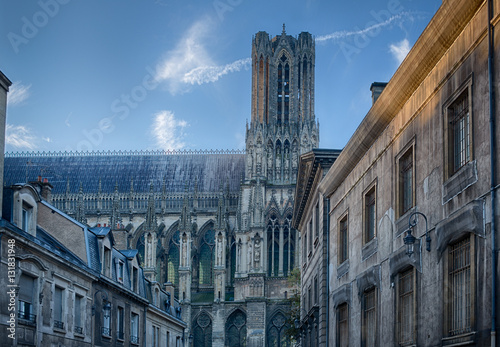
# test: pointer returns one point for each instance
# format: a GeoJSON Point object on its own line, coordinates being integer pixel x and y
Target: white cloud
{"type": "Point", "coordinates": [400, 50]}
{"type": "Point", "coordinates": [18, 93]}
{"type": "Point", "coordinates": [66, 121]}
{"type": "Point", "coordinates": [340, 35]}
{"type": "Point", "coordinates": [240, 140]}
{"type": "Point", "coordinates": [190, 63]}
{"type": "Point", "coordinates": [168, 131]}
{"type": "Point", "coordinates": [207, 74]}
{"type": "Point", "coordinates": [19, 137]}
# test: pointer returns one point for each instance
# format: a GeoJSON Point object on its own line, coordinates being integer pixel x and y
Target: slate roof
{"type": "Point", "coordinates": [48, 242]}
{"type": "Point", "coordinates": [174, 169]}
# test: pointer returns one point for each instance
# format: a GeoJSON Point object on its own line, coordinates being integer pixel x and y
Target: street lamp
{"type": "Point", "coordinates": [297, 324]}
{"type": "Point", "coordinates": [106, 308]}
{"type": "Point", "coordinates": [409, 239]}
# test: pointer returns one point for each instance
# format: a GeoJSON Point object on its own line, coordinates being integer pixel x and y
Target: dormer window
{"type": "Point", "coordinates": [135, 275]}
{"type": "Point", "coordinates": [26, 217]}
{"type": "Point", "coordinates": [24, 209]}
{"type": "Point", "coordinates": [120, 271]}
{"type": "Point", "coordinates": [107, 261]}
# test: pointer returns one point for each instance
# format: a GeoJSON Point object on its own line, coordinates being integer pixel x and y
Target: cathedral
{"type": "Point", "coordinates": [211, 227]}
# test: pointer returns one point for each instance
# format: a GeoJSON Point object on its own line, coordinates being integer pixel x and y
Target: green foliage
{"type": "Point", "coordinates": [294, 304]}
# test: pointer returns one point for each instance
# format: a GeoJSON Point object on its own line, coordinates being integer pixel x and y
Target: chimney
{"type": "Point", "coordinates": [47, 190]}
{"type": "Point", "coordinates": [376, 88]}
{"type": "Point", "coordinates": [44, 188]}
{"type": "Point", "coordinates": [169, 288]}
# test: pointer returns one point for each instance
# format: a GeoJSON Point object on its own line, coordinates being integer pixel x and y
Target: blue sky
{"type": "Point", "coordinates": [175, 74]}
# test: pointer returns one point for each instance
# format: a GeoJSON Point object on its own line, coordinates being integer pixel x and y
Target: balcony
{"type": "Point", "coordinates": [106, 332]}
{"type": "Point", "coordinates": [58, 325]}
{"type": "Point", "coordinates": [78, 330]}
{"type": "Point", "coordinates": [134, 340]}
{"type": "Point", "coordinates": [26, 318]}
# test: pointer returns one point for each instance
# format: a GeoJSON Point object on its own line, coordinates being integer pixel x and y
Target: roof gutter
{"type": "Point", "coordinates": [436, 39]}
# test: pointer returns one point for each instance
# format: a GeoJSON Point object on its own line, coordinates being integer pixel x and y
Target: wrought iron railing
{"type": "Point", "coordinates": [78, 330]}
{"type": "Point", "coordinates": [106, 331]}
{"type": "Point", "coordinates": [58, 324]}
{"type": "Point", "coordinates": [134, 340]}
{"type": "Point", "coordinates": [26, 316]}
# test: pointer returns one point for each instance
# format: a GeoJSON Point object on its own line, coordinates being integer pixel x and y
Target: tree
{"type": "Point", "coordinates": [294, 304]}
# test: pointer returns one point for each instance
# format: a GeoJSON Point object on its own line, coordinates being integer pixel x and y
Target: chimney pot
{"type": "Point", "coordinates": [377, 88]}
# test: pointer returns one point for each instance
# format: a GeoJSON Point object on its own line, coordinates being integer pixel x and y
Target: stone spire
{"type": "Point", "coordinates": [80, 206]}
{"type": "Point", "coordinates": [185, 218]}
{"type": "Point", "coordinates": [114, 219]}
{"type": "Point", "coordinates": [150, 223]}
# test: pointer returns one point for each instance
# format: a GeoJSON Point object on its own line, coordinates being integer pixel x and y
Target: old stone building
{"type": "Point", "coordinates": [70, 286]}
{"type": "Point", "coordinates": [310, 217]}
{"type": "Point", "coordinates": [413, 212]}
{"type": "Point", "coordinates": [213, 228]}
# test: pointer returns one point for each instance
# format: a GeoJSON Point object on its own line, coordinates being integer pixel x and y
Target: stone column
{"type": "Point", "coordinates": [272, 254]}
{"type": "Point", "coordinates": [220, 268]}
{"type": "Point", "coordinates": [280, 268]}
{"type": "Point", "coordinates": [185, 268]}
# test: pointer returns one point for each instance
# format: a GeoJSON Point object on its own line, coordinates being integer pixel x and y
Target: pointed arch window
{"type": "Point", "coordinates": [283, 89]}
{"type": "Point", "coordinates": [276, 336]}
{"type": "Point", "coordinates": [273, 246]}
{"type": "Point", "coordinates": [202, 331]}
{"type": "Point", "coordinates": [236, 329]}
{"type": "Point", "coordinates": [280, 92]}
{"type": "Point", "coordinates": [288, 246]}
{"type": "Point", "coordinates": [206, 258]}
{"type": "Point", "coordinates": [173, 260]}
{"type": "Point", "coordinates": [141, 249]}
{"type": "Point", "coordinates": [232, 259]}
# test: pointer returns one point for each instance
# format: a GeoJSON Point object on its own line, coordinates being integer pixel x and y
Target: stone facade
{"type": "Point", "coordinates": [70, 285]}
{"type": "Point", "coordinates": [310, 219]}
{"type": "Point", "coordinates": [421, 160]}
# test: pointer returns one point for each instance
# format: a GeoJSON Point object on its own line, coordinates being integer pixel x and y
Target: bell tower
{"type": "Point", "coordinates": [282, 127]}
{"type": "Point", "coordinates": [283, 123]}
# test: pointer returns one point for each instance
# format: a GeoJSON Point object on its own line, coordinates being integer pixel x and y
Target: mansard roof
{"type": "Point", "coordinates": [104, 170]}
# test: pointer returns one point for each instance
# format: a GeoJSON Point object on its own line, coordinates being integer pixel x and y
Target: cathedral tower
{"type": "Point", "coordinates": [283, 123]}
{"type": "Point", "coordinates": [282, 127]}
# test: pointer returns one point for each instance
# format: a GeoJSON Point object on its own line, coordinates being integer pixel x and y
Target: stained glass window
{"type": "Point", "coordinates": [276, 330]}
{"type": "Point", "coordinates": [236, 330]}
{"type": "Point", "coordinates": [173, 260]}
{"type": "Point", "coordinates": [207, 258]}
{"type": "Point", "coordinates": [202, 331]}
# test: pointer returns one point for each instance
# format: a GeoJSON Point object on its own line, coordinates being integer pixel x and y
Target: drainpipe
{"type": "Point", "coordinates": [493, 171]}
{"type": "Point", "coordinates": [327, 270]}
{"type": "Point", "coordinates": [144, 330]}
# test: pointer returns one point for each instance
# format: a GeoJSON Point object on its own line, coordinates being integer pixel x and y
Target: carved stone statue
{"type": "Point", "coordinates": [249, 243]}
{"type": "Point", "coordinates": [238, 257]}
{"type": "Point", "coordinates": [257, 251]}
{"type": "Point", "coordinates": [149, 250]}
{"type": "Point", "coordinates": [219, 249]}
